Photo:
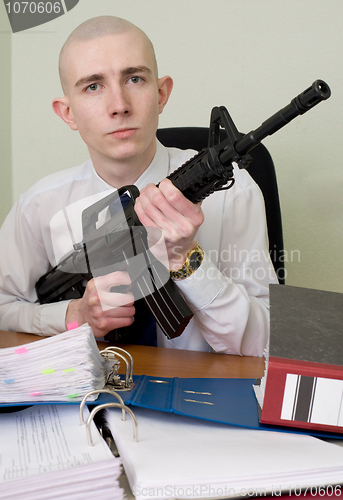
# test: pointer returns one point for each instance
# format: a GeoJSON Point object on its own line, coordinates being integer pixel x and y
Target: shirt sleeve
{"type": "Point", "coordinates": [23, 260]}
{"type": "Point", "coordinates": [229, 294]}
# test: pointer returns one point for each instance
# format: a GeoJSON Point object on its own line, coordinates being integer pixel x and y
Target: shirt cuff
{"type": "Point", "coordinates": [202, 287]}
{"type": "Point", "coordinates": [52, 318]}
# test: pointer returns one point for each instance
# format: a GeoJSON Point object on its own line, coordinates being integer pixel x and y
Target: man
{"type": "Point", "coordinates": [113, 97]}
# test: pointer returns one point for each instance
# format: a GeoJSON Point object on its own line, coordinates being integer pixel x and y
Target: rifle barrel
{"type": "Point", "coordinates": [319, 91]}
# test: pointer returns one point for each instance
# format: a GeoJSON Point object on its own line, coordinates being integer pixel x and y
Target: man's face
{"type": "Point", "coordinates": [114, 97]}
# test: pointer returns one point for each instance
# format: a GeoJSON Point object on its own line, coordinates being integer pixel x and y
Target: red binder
{"type": "Point", "coordinates": [304, 381]}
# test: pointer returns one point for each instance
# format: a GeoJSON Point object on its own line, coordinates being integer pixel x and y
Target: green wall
{"type": "Point", "coordinates": [5, 122]}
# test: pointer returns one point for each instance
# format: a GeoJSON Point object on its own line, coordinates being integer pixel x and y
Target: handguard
{"type": "Point", "coordinates": [121, 242]}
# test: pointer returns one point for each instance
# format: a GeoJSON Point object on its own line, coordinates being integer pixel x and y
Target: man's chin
{"type": "Point", "coordinates": [134, 149]}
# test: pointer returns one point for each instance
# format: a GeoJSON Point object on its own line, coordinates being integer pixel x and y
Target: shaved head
{"type": "Point", "coordinates": [98, 27]}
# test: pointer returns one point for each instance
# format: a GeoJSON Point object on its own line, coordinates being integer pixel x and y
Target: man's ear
{"type": "Point", "coordinates": [165, 86]}
{"type": "Point", "coordinates": [61, 107]}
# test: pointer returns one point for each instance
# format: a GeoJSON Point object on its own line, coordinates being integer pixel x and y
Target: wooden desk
{"type": "Point", "coordinates": [158, 361]}
{"type": "Point", "coordinates": [162, 362]}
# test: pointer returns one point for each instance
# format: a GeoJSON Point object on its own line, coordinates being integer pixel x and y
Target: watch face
{"type": "Point", "coordinates": [195, 260]}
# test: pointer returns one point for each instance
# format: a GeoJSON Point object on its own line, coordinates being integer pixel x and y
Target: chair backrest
{"type": "Point", "coordinates": [261, 170]}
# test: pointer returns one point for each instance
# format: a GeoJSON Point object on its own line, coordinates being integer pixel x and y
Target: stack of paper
{"type": "Point", "coordinates": [182, 457]}
{"type": "Point", "coordinates": [60, 368]}
{"type": "Point", "coordinates": [44, 454]}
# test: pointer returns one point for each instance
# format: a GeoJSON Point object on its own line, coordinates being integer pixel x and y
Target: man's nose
{"type": "Point", "coordinates": [119, 103]}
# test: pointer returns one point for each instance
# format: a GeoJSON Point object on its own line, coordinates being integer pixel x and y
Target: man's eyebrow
{"type": "Point", "coordinates": [97, 77]}
{"type": "Point", "coordinates": [135, 69]}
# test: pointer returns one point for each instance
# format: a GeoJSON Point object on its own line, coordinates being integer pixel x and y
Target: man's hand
{"type": "Point", "coordinates": [102, 309]}
{"type": "Point", "coordinates": [166, 208]}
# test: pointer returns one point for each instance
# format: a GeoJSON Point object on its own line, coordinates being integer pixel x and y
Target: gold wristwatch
{"type": "Point", "coordinates": [192, 263]}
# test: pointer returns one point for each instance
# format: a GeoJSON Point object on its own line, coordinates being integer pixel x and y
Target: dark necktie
{"type": "Point", "coordinates": [143, 329]}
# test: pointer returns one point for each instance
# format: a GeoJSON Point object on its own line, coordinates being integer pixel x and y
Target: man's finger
{"type": "Point", "coordinates": [110, 280]}
{"type": "Point", "coordinates": [111, 300]}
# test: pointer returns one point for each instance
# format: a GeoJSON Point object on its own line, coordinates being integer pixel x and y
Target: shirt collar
{"type": "Point", "coordinates": [156, 171]}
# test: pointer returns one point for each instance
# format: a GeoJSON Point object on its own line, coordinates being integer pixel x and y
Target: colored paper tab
{"type": "Point", "coordinates": [73, 325]}
{"type": "Point", "coordinates": [48, 371]}
{"type": "Point", "coordinates": [21, 350]}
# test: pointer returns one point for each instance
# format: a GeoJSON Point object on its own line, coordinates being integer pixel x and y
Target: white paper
{"type": "Point", "coordinates": [48, 441]}
{"type": "Point", "coordinates": [60, 368]}
{"type": "Point", "coordinates": [182, 457]}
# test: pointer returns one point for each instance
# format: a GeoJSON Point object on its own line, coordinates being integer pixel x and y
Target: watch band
{"type": "Point", "coordinates": [192, 263]}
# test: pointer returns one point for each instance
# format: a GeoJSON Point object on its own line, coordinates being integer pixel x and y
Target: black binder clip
{"type": "Point", "coordinates": [114, 382]}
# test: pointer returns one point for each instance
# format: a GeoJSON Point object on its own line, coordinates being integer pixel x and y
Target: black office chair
{"type": "Point", "coordinates": [261, 170]}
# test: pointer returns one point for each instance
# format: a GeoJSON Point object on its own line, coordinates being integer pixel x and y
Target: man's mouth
{"type": "Point", "coordinates": [123, 133]}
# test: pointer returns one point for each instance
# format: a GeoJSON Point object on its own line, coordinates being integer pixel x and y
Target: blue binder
{"type": "Point", "coordinates": [223, 400]}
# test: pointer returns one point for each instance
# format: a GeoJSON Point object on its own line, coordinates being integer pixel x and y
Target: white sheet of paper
{"type": "Point", "coordinates": [48, 441]}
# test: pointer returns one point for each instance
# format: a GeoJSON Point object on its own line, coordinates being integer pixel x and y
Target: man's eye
{"type": "Point", "coordinates": [93, 87]}
{"type": "Point", "coordinates": [135, 79]}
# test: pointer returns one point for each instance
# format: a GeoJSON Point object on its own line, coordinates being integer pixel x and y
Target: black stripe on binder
{"type": "Point", "coordinates": [303, 400]}
{"type": "Point", "coordinates": [313, 395]}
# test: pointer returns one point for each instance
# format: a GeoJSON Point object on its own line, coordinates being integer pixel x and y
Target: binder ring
{"type": "Point", "coordinates": [126, 353]}
{"type": "Point", "coordinates": [83, 402]}
{"type": "Point", "coordinates": [128, 360]}
{"type": "Point", "coordinates": [111, 405]}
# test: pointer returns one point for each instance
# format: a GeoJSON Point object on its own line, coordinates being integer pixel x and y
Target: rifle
{"type": "Point", "coordinates": [121, 242]}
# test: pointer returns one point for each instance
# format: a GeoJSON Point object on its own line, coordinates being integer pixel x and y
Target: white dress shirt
{"type": "Point", "coordinates": [228, 293]}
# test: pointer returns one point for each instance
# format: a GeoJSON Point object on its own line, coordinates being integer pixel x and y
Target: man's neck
{"type": "Point", "coordinates": [123, 172]}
